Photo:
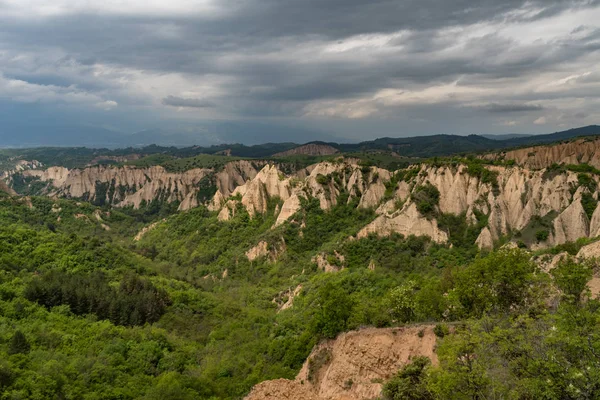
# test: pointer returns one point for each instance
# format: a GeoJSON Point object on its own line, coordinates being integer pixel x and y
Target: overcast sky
{"type": "Point", "coordinates": [351, 69]}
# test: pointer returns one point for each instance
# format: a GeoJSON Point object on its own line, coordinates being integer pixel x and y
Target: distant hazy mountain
{"type": "Point", "coordinates": [24, 134]}
{"type": "Point", "coordinates": [226, 137]}
{"type": "Point", "coordinates": [507, 136]}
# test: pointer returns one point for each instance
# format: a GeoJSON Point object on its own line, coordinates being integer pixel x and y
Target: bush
{"type": "Point", "coordinates": [410, 382]}
{"type": "Point", "coordinates": [426, 197]}
{"type": "Point", "coordinates": [441, 330]}
{"type": "Point", "coordinates": [542, 235]}
{"type": "Point", "coordinates": [572, 278]}
{"type": "Point", "coordinates": [323, 179]}
{"type": "Point", "coordinates": [503, 281]}
{"type": "Point", "coordinates": [335, 309]}
{"type": "Point", "coordinates": [589, 204]}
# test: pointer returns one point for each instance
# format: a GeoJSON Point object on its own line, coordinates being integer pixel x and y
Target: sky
{"type": "Point", "coordinates": [253, 71]}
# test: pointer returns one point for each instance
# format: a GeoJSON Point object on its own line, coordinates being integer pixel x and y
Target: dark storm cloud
{"type": "Point", "coordinates": [511, 108]}
{"type": "Point", "coordinates": [272, 58]}
{"type": "Point", "coordinates": [187, 102]}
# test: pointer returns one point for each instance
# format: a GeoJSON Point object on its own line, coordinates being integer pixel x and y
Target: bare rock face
{"type": "Point", "coordinates": [353, 366]}
{"type": "Point", "coordinates": [131, 186]}
{"type": "Point", "coordinates": [407, 221]}
{"type": "Point", "coordinates": [236, 174]}
{"type": "Point", "coordinates": [518, 196]}
{"type": "Point", "coordinates": [228, 211]}
{"type": "Point", "coordinates": [588, 251]}
{"type": "Point", "coordinates": [258, 251]}
{"type": "Point", "coordinates": [269, 182]}
{"type": "Point", "coordinates": [571, 224]}
{"type": "Point", "coordinates": [263, 249]}
{"type": "Point", "coordinates": [285, 299]}
{"type": "Point", "coordinates": [281, 389]}
{"type": "Point", "coordinates": [575, 152]}
{"type": "Point", "coordinates": [595, 223]}
{"type": "Point", "coordinates": [323, 181]}
{"type": "Point", "coordinates": [5, 188]}
{"type": "Point", "coordinates": [291, 206]}
{"type": "Point", "coordinates": [146, 229]}
{"type": "Point", "coordinates": [324, 265]}
{"type": "Point", "coordinates": [485, 240]}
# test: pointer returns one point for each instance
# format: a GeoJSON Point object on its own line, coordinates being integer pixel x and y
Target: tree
{"type": "Point", "coordinates": [572, 278]}
{"type": "Point", "coordinates": [335, 308]}
{"type": "Point", "coordinates": [19, 344]}
{"type": "Point", "coordinates": [402, 301]}
{"type": "Point", "coordinates": [426, 197]}
{"type": "Point", "coordinates": [502, 281]}
{"type": "Point", "coordinates": [410, 382]}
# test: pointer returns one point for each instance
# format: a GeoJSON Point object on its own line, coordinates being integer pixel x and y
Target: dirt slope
{"type": "Point", "coordinates": [353, 366]}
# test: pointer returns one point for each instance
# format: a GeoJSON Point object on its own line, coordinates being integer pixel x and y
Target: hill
{"type": "Point", "coordinates": [206, 276]}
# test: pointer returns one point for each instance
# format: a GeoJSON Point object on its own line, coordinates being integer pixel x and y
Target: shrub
{"type": "Point", "coordinates": [589, 204]}
{"type": "Point", "coordinates": [323, 179]}
{"type": "Point", "coordinates": [410, 383]}
{"type": "Point", "coordinates": [542, 235]}
{"type": "Point", "coordinates": [426, 197]}
{"type": "Point", "coordinates": [572, 278]}
{"type": "Point", "coordinates": [441, 330]}
{"type": "Point", "coordinates": [586, 180]}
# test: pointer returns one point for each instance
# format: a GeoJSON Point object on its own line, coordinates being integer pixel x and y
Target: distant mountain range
{"type": "Point", "coordinates": [419, 146]}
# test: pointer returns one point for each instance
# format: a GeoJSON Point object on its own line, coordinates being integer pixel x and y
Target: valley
{"type": "Point", "coordinates": [315, 272]}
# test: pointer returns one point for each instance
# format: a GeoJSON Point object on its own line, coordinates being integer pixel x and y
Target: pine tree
{"type": "Point", "coordinates": [18, 344]}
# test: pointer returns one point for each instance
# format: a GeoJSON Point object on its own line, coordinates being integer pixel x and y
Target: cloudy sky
{"type": "Point", "coordinates": [294, 69]}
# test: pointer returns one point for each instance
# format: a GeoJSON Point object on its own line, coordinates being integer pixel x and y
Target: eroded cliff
{"type": "Point", "coordinates": [580, 151]}
{"type": "Point", "coordinates": [353, 366]}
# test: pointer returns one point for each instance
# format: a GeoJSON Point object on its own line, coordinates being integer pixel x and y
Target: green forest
{"type": "Point", "coordinates": [89, 313]}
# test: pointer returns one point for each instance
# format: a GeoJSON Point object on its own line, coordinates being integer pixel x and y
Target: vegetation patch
{"type": "Point", "coordinates": [135, 302]}
{"type": "Point", "coordinates": [589, 204]}
{"type": "Point", "coordinates": [426, 197]}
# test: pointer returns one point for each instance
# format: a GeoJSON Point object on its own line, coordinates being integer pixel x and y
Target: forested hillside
{"type": "Point", "coordinates": [107, 301]}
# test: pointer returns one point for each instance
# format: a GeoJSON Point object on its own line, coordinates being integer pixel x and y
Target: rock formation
{"type": "Point", "coordinates": [537, 157]}
{"type": "Point", "coordinates": [511, 202]}
{"type": "Point", "coordinates": [131, 186]}
{"type": "Point", "coordinates": [352, 366]}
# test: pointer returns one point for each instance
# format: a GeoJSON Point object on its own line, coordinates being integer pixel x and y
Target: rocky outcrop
{"type": "Point", "coordinates": [131, 186]}
{"type": "Point", "coordinates": [285, 299]}
{"type": "Point", "coordinates": [537, 157]}
{"type": "Point", "coordinates": [146, 229]}
{"type": "Point", "coordinates": [311, 149]}
{"type": "Point", "coordinates": [6, 189]}
{"type": "Point", "coordinates": [333, 263]}
{"type": "Point", "coordinates": [590, 251]}
{"type": "Point", "coordinates": [258, 251]}
{"type": "Point", "coordinates": [406, 222]}
{"type": "Point", "coordinates": [571, 224]}
{"type": "Point", "coordinates": [282, 389]}
{"type": "Point", "coordinates": [324, 182]}
{"type": "Point", "coordinates": [485, 240]}
{"type": "Point", "coordinates": [511, 201]}
{"type": "Point", "coordinates": [353, 366]}
{"type": "Point", "coordinates": [511, 204]}
{"type": "Point", "coordinates": [264, 249]}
